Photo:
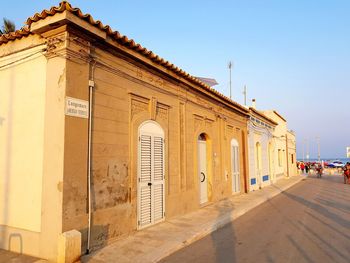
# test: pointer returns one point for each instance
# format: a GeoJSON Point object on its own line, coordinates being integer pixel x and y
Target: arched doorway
{"type": "Point", "coordinates": [258, 163]}
{"type": "Point", "coordinates": [235, 167]}
{"type": "Point", "coordinates": [203, 178]}
{"type": "Point", "coordinates": [151, 176]}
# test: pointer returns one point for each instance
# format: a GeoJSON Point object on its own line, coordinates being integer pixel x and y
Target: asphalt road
{"type": "Point", "coordinates": [310, 222]}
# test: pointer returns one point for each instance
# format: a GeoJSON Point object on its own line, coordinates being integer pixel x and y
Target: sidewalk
{"type": "Point", "coordinates": [158, 241]}
{"type": "Point", "coordinates": [12, 257]}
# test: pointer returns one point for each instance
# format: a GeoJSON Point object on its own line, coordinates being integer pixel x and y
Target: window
{"type": "Point", "coordinates": [292, 158]}
{"type": "Point", "coordinates": [279, 157]}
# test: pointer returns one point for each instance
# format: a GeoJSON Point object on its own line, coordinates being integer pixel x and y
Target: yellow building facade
{"type": "Point", "coordinates": [284, 147]}
{"type": "Point", "coordinates": [103, 136]}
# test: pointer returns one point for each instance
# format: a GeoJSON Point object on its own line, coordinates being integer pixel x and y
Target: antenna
{"type": "Point", "coordinates": [245, 95]}
{"type": "Point", "coordinates": [230, 65]}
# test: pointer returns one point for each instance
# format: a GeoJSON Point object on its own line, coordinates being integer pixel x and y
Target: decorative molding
{"type": "Point", "coordinates": [162, 112]}
{"type": "Point", "coordinates": [150, 78]}
{"type": "Point", "coordinates": [56, 44]}
{"type": "Point", "coordinates": [203, 102]}
{"type": "Point", "coordinates": [182, 132]}
{"type": "Point", "coordinates": [138, 104]}
{"type": "Point", "coordinates": [209, 123]}
{"type": "Point", "coordinates": [153, 109]}
{"type": "Point", "coordinates": [198, 121]}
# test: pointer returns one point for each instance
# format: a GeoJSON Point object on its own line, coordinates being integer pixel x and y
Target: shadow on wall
{"type": "Point", "coordinates": [99, 237]}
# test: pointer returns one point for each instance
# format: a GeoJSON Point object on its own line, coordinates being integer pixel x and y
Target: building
{"type": "Point", "coordinates": [260, 149]}
{"type": "Point", "coordinates": [105, 137]}
{"type": "Point", "coordinates": [347, 152]}
{"type": "Point", "coordinates": [284, 147]}
{"type": "Point", "coordinates": [291, 151]}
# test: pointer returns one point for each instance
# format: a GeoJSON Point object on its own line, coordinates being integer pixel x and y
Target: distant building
{"type": "Point", "coordinates": [260, 149]}
{"type": "Point", "coordinates": [348, 152]}
{"type": "Point", "coordinates": [284, 147]}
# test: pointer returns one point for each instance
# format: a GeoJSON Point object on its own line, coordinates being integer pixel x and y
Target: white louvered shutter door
{"type": "Point", "coordinates": [145, 180]}
{"type": "Point", "coordinates": [158, 178]}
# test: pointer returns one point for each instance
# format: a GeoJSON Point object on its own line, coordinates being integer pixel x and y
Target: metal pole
{"type": "Point", "coordinates": [304, 150]}
{"type": "Point", "coordinates": [318, 149]}
{"type": "Point", "coordinates": [89, 170]}
{"type": "Point", "coordinates": [245, 95]}
{"type": "Point", "coordinates": [230, 66]}
{"type": "Point", "coordinates": [91, 87]}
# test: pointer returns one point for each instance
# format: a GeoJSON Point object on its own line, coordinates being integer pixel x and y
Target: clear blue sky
{"type": "Point", "coordinates": [293, 55]}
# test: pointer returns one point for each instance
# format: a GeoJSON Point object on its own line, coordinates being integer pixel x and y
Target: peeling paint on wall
{"type": "Point", "coordinates": [110, 185]}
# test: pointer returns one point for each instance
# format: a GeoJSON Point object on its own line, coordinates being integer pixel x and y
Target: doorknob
{"type": "Point", "coordinates": [149, 184]}
{"type": "Point", "coordinates": [203, 178]}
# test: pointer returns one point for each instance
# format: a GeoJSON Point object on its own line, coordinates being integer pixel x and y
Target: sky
{"type": "Point", "coordinates": [293, 55]}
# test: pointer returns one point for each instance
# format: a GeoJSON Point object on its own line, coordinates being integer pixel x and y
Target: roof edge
{"type": "Point", "coordinates": [262, 115]}
{"type": "Point", "coordinates": [121, 39]}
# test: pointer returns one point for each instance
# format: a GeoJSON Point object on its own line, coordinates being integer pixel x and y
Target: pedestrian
{"type": "Point", "coordinates": [319, 170]}
{"type": "Point", "coordinates": [302, 167]}
{"type": "Point", "coordinates": [346, 170]}
{"type": "Point", "coordinates": [307, 168]}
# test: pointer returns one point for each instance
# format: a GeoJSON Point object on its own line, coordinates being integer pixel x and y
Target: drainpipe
{"type": "Point", "coordinates": [91, 87]}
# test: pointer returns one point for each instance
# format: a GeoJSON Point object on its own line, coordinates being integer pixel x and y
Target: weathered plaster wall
{"type": "Point", "coordinates": [126, 94]}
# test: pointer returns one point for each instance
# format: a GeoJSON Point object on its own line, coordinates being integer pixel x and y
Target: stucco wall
{"type": "Point", "coordinates": [292, 153]}
{"type": "Point", "coordinates": [279, 143]}
{"type": "Point", "coordinates": [22, 104]}
{"type": "Point", "coordinates": [125, 95]}
{"type": "Point", "coordinates": [32, 145]}
{"type": "Point", "coordinates": [262, 136]}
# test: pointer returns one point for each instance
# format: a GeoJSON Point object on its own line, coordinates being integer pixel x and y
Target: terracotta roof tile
{"type": "Point", "coordinates": [18, 34]}
{"type": "Point", "coordinates": [124, 40]}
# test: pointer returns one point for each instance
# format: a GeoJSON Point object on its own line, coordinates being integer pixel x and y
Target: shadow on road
{"type": "Point", "coordinates": [224, 239]}
{"type": "Point", "coordinates": [320, 209]}
{"type": "Point", "coordinates": [300, 249]}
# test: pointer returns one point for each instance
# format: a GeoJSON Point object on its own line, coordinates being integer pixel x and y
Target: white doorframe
{"type": "Point", "coordinates": [202, 170]}
{"type": "Point", "coordinates": [151, 175]}
{"type": "Point", "coordinates": [235, 174]}
{"type": "Point", "coordinates": [258, 170]}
